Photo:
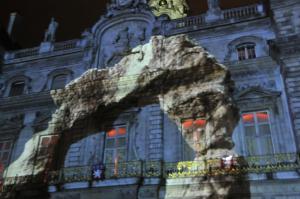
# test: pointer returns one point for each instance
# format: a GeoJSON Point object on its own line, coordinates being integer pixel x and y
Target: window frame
{"type": "Point", "coordinates": [185, 143]}
{"type": "Point", "coordinates": [117, 126]}
{"type": "Point", "coordinates": [258, 134]}
{"type": "Point", "coordinates": [12, 142]}
{"type": "Point", "coordinates": [245, 48]}
{"type": "Point", "coordinates": [15, 83]}
{"type": "Point", "coordinates": [19, 78]}
{"type": "Point", "coordinates": [57, 75]}
{"type": "Point", "coordinates": [62, 71]}
{"type": "Point", "coordinates": [40, 157]}
{"type": "Point", "coordinates": [10, 149]}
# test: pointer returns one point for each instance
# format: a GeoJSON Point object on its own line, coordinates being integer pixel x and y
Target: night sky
{"type": "Point", "coordinates": [73, 16]}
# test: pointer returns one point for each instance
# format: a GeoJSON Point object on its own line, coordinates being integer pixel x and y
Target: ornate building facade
{"type": "Point", "coordinates": [142, 148]}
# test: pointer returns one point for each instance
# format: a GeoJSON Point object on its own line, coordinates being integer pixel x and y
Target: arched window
{"type": "Point", "coordinates": [246, 51]}
{"type": "Point", "coordinates": [17, 88]}
{"type": "Point", "coordinates": [59, 81]}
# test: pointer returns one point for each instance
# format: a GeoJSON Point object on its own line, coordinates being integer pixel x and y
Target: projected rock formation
{"type": "Point", "coordinates": [182, 77]}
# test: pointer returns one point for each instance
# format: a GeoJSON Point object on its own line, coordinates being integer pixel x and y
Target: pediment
{"type": "Point", "coordinates": [257, 92]}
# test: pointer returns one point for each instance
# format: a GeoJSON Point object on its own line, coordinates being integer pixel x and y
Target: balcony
{"type": "Point", "coordinates": [227, 16]}
{"type": "Point", "coordinates": [167, 170]}
{"type": "Point", "coordinates": [60, 47]}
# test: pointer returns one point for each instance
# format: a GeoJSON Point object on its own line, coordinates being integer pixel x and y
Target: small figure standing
{"type": "Point", "coordinates": [213, 4]}
{"type": "Point", "coordinates": [50, 32]}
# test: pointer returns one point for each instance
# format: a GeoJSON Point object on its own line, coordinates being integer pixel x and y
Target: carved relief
{"type": "Point", "coordinates": [173, 8]}
{"type": "Point", "coordinates": [122, 43]}
{"type": "Point", "coordinates": [268, 84]}
{"type": "Point", "coordinates": [51, 31]}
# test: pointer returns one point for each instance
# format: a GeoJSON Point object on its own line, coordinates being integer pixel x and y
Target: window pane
{"type": "Point", "coordinates": [252, 146]}
{"type": "Point", "coordinates": [45, 142]}
{"type": "Point", "coordinates": [248, 118]}
{"type": "Point", "coordinates": [262, 117]}
{"type": "Point", "coordinates": [5, 156]}
{"type": "Point", "coordinates": [43, 151]}
{"type": "Point", "coordinates": [121, 142]}
{"type": "Point", "coordinates": [241, 53]}
{"type": "Point", "coordinates": [250, 131]}
{"type": "Point", "coordinates": [266, 145]}
{"type": "Point", "coordinates": [59, 81]}
{"type": "Point", "coordinates": [112, 133]}
{"type": "Point", "coordinates": [122, 131]}
{"type": "Point", "coordinates": [110, 143]}
{"type": "Point", "coordinates": [109, 156]}
{"type": "Point", "coordinates": [264, 129]}
{"type": "Point", "coordinates": [121, 153]}
{"type": "Point", "coordinates": [187, 124]}
{"type": "Point", "coordinates": [7, 145]}
{"type": "Point", "coordinates": [200, 123]}
{"type": "Point", "coordinates": [251, 52]}
{"type": "Point", "coordinates": [17, 88]}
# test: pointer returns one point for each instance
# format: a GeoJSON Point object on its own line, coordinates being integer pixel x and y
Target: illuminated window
{"type": "Point", "coordinates": [116, 145]}
{"type": "Point", "coordinates": [46, 145]}
{"type": "Point", "coordinates": [257, 133]}
{"type": "Point", "coordinates": [59, 81]}
{"type": "Point", "coordinates": [246, 51]}
{"type": "Point", "coordinates": [193, 133]}
{"type": "Point", "coordinates": [17, 88]}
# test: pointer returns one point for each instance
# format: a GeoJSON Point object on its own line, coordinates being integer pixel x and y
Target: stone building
{"type": "Point", "coordinates": [141, 149]}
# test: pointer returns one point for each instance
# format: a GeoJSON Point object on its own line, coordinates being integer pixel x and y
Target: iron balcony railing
{"type": "Point", "coordinates": [169, 170]}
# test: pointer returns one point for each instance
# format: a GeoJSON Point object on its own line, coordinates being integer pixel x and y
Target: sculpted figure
{"type": "Point", "coordinates": [173, 8]}
{"type": "Point", "coordinates": [180, 6]}
{"type": "Point", "coordinates": [50, 32]}
{"type": "Point", "coordinates": [213, 4]}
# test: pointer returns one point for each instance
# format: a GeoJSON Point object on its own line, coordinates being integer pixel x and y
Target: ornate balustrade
{"type": "Point", "coordinates": [197, 22]}
{"type": "Point", "coordinates": [150, 169]}
{"type": "Point", "coordinates": [66, 45]}
{"type": "Point", "coordinates": [240, 12]}
{"type": "Point", "coordinates": [60, 46]}
{"type": "Point", "coordinates": [188, 21]}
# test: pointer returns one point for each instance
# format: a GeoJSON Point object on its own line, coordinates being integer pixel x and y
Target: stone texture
{"type": "Point", "coordinates": [159, 70]}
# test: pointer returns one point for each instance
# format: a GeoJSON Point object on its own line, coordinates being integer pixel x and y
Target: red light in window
{"type": "Point", "coordinates": [262, 117]}
{"type": "Point", "coordinates": [248, 118]}
{"type": "Point", "coordinates": [200, 123]}
{"type": "Point", "coordinates": [54, 140]}
{"type": "Point", "coordinates": [112, 133]}
{"type": "Point", "coordinates": [122, 131]}
{"type": "Point", "coordinates": [187, 124]}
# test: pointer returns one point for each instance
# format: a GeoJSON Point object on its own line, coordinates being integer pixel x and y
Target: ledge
{"type": "Point", "coordinates": [24, 101]}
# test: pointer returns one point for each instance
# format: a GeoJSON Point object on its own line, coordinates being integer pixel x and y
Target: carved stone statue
{"type": "Point", "coordinates": [213, 4]}
{"type": "Point", "coordinates": [214, 11]}
{"type": "Point", "coordinates": [173, 8]}
{"type": "Point", "coordinates": [50, 32]}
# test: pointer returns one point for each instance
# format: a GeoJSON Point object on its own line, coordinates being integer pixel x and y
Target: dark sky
{"type": "Point", "coordinates": [73, 16]}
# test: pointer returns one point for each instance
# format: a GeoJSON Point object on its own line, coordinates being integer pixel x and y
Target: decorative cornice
{"type": "Point", "coordinates": [24, 101]}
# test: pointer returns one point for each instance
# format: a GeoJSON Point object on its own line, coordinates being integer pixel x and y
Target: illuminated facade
{"type": "Point", "coordinates": [261, 49]}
